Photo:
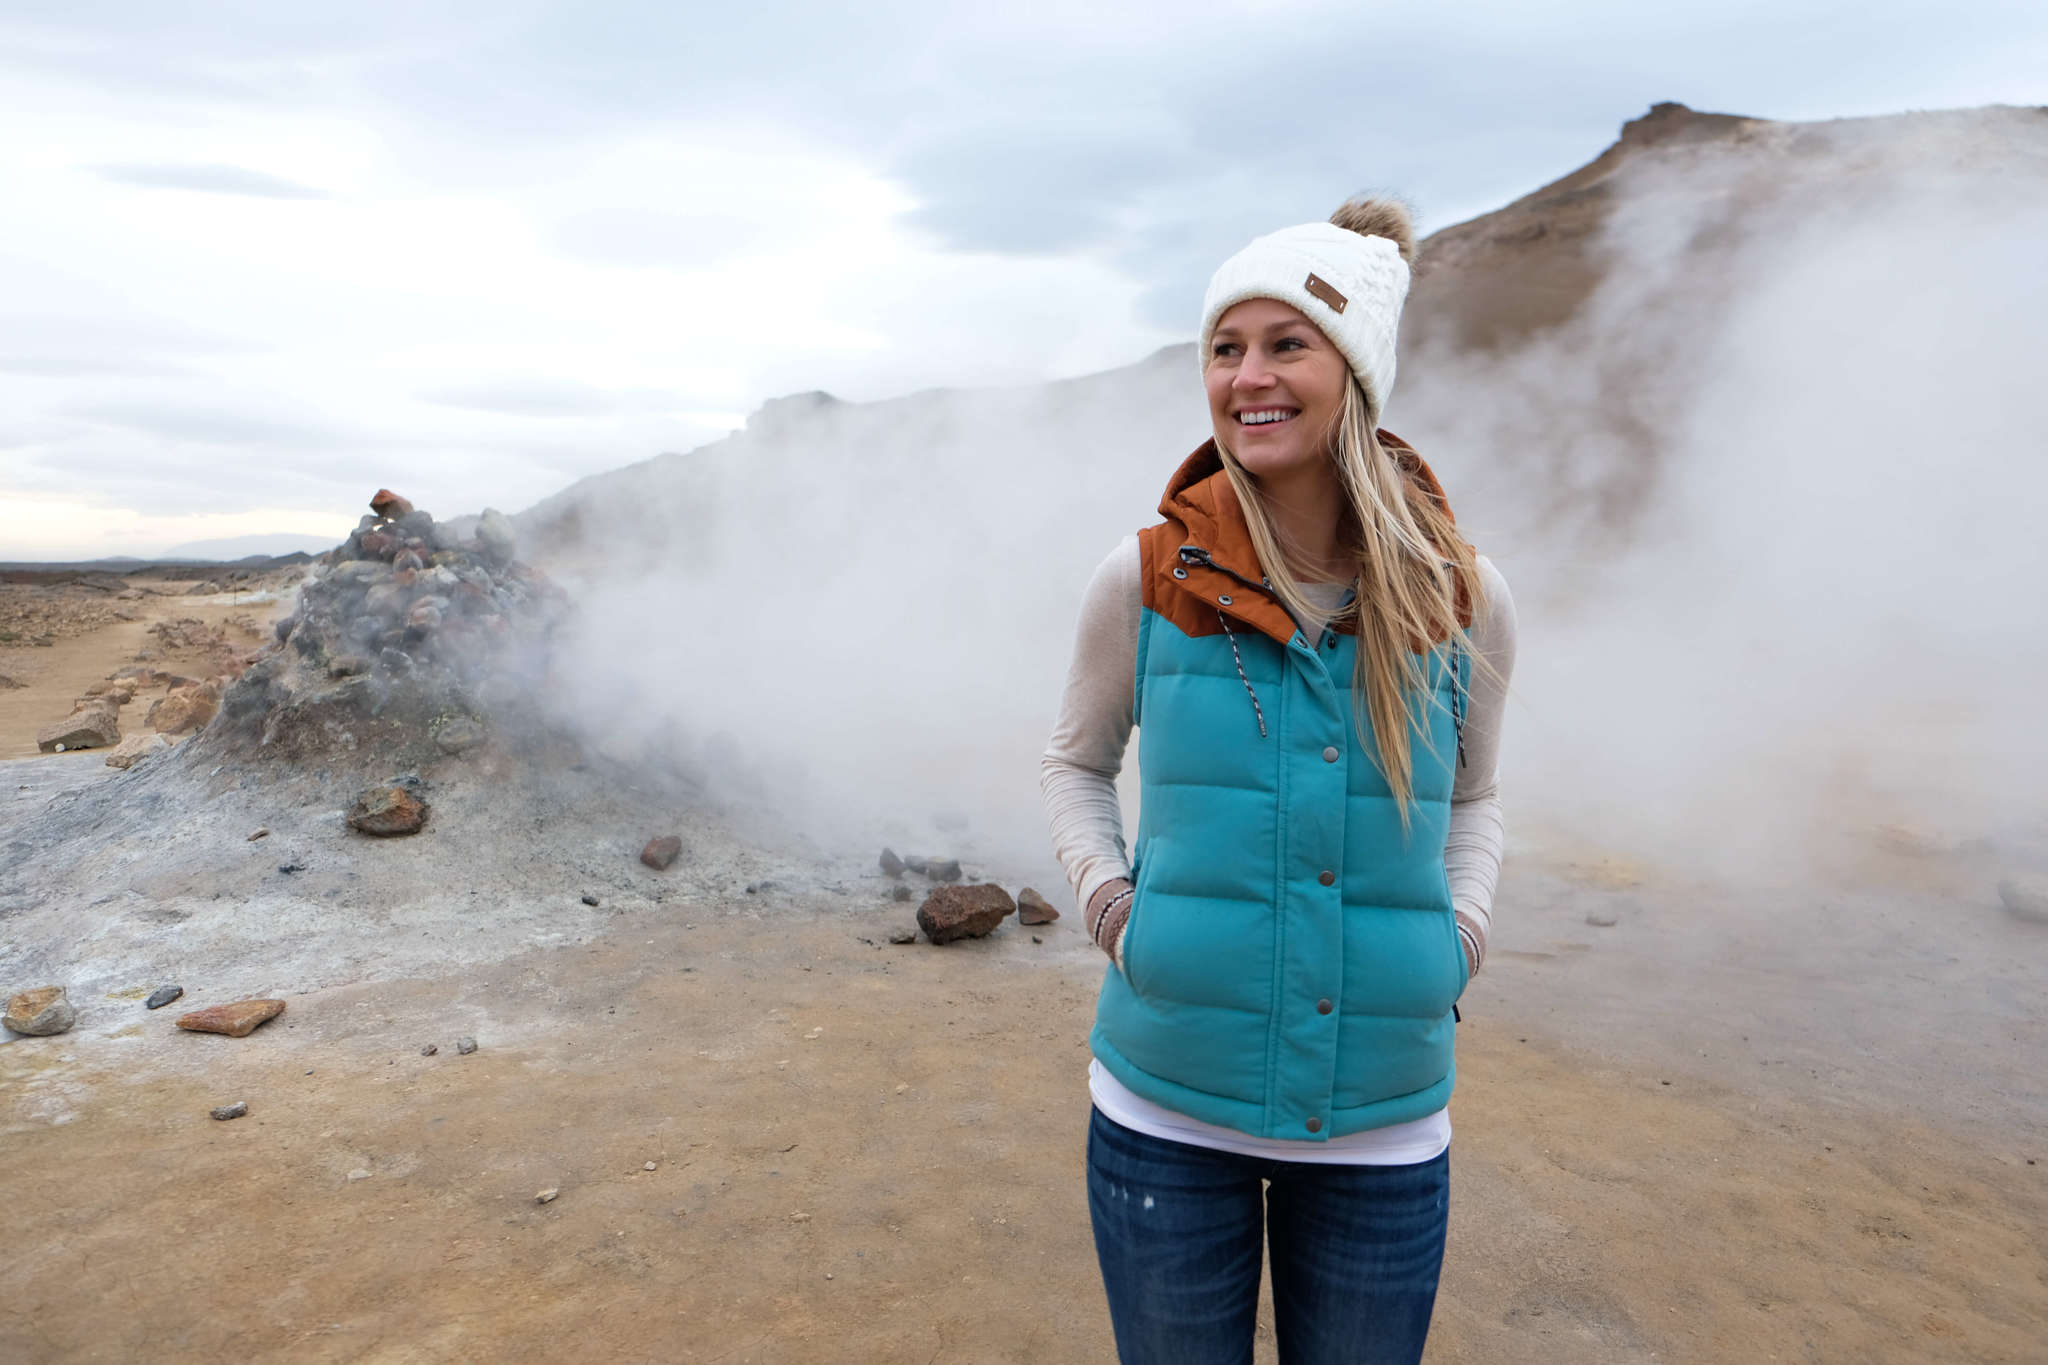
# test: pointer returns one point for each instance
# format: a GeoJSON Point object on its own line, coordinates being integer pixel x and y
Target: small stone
{"type": "Point", "coordinates": [259, 834]}
{"type": "Point", "coordinates": [799, 1218]}
{"type": "Point", "coordinates": [915, 863]}
{"type": "Point", "coordinates": [1033, 908]}
{"type": "Point", "coordinates": [2025, 898]}
{"type": "Point", "coordinates": [232, 1111]}
{"type": "Point", "coordinates": [648, 1167]}
{"type": "Point", "coordinates": [161, 996]}
{"type": "Point", "coordinates": [135, 749]}
{"type": "Point", "coordinates": [1036, 939]}
{"type": "Point", "coordinates": [942, 869]}
{"type": "Point", "coordinates": [96, 727]}
{"type": "Point", "coordinates": [236, 1020]}
{"type": "Point", "coordinates": [430, 1049]}
{"type": "Point", "coordinates": [358, 1174]}
{"type": "Point", "coordinates": [661, 852]}
{"type": "Point", "coordinates": [460, 735]}
{"type": "Point", "coordinates": [40, 1012]}
{"type": "Point", "coordinates": [899, 892]}
{"type": "Point", "coordinates": [1602, 919]}
{"type": "Point", "coordinates": [892, 866]}
{"type": "Point", "coordinates": [465, 1045]}
{"type": "Point", "coordinates": [548, 1195]}
{"type": "Point", "coordinates": [956, 912]}
{"type": "Point", "coordinates": [386, 811]}
{"type": "Point", "coordinates": [903, 936]}
{"type": "Point", "coordinates": [590, 900]}
{"type": "Point", "coordinates": [389, 505]}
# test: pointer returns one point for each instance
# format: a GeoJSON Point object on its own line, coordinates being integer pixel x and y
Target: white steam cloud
{"type": "Point", "coordinates": [1770, 504]}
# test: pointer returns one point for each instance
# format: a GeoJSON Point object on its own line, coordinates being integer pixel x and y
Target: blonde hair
{"type": "Point", "coordinates": [1415, 577]}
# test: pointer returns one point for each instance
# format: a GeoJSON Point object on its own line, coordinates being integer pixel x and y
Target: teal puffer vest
{"type": "Point", "coordinates": [1291, 960]}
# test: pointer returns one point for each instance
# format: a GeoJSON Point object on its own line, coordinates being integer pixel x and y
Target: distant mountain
{"type": "Point", "coordinates": [229, 548]}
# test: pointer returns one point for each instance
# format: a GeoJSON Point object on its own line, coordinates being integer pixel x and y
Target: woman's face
{"type": "Point", "coordinates": [1275, 387]}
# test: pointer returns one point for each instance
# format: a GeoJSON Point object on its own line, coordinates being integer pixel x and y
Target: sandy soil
{"type": "Point", "coordinates": [874, 1153]}
{"type": "Point", "coordinates": [1731, 1127]}
{"type": "Point", "coordinates": [88, 640]}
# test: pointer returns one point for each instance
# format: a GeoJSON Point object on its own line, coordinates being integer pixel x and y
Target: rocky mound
{"type": "Point", "coordinates": [406, 640]}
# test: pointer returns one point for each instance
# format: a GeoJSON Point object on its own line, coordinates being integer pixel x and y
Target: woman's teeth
{"type": "Point", "coordinates": [1256, 419]}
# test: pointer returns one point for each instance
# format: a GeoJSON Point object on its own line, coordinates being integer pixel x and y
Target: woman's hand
{"type": "Point", "coordinates": [1108, 911]}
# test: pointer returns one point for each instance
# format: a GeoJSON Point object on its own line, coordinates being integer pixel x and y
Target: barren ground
{"type": "Point", "coordinates": [1695, 1136]}
{"type": "Point", "coordinates": [58, 638]}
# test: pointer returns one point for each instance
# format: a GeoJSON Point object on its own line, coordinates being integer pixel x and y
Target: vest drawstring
{"type": "Point", "coordinates": [1257, 710]}
{"type": "Point", "coordinates": [1457, 704]}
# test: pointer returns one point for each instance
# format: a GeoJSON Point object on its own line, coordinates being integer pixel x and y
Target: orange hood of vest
{"type": "Point", "coordinates": [1203, 514]}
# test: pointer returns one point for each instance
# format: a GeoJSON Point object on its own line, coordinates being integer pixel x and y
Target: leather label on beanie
{"type": "Point", "coordinates": [1320, 287]}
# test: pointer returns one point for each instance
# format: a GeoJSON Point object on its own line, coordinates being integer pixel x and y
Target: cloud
{"type": "Point", "coordinates": [209, 179]}
{"type": "Point", "coordinates": [540, 397]}
{"type": "Point", "coordinates": [651, 237]}
{"type": "Point", "coordinates": [215, 424]}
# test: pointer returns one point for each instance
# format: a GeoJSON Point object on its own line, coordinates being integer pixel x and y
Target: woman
{"type": "Point", "coordinates": [1316, 660]}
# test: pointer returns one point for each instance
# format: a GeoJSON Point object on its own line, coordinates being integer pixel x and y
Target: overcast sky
{"type": "Point", "coordinates": [258, 259]}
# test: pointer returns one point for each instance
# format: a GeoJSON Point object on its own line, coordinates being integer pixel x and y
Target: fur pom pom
{"type": "Point", "coordinates": [1386, 218]}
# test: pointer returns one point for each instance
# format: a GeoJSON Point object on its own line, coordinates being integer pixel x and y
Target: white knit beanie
{"type": "Point", "coordinates": [1349, 276]}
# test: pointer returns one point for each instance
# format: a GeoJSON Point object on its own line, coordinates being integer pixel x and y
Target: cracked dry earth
{"type": "Point", "coordinates": [874, 1153]}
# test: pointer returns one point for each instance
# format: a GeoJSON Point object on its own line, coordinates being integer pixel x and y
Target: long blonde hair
{"type": "Point", "coordinates": [1414, 574]}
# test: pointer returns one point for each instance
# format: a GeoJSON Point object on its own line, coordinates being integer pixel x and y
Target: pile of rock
{"type": "Point", "coordinates": [403, 632]}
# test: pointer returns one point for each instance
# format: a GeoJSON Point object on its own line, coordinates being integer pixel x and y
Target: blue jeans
{"type": "Point", "coordinates": [1355, 1249]}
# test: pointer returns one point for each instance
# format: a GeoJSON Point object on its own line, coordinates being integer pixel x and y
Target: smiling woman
{"type": "Point", "coordinates": [1317, 660]}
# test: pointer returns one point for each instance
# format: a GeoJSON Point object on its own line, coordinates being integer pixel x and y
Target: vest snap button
{"type": "Point", "coordinates": [1180, 573]}
{"type": "Point", "coordinates": [1324, 1007]}
{"type": "Point", "coordinates": [1330, 754]}
{"type": "Point", "coordinates": [1224, 599]}
{"type": "Point", "coordinates": [1315, 1125]}
{"type": "Point", "coordinates": [1328, 879]}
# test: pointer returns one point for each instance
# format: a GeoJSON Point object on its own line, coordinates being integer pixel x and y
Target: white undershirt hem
{"type": "Point", "coordinates": [1397, 1144]}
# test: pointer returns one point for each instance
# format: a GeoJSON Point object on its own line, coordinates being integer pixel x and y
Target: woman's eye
{"type": "Point", "coordinates": [1287, 344]}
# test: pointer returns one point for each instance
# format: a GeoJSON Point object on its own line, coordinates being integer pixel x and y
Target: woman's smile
{"type": "Point", "coordinates": [1275, 385]}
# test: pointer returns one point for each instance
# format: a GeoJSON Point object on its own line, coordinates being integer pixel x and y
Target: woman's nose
{"type": "Point", "coordinates": [1252, 372]}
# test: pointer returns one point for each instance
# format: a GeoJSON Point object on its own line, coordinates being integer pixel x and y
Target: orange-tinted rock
{"type": "Point", "coordinates": [1033, 908]}
{"type": "Point", "coordinates": [185, 709]}
{"type": "Point", "coordinates": [659, 853]}
{"type": "Point", "coordinates": [40, 1012]}
{"type": "Point", "coordinates": [237, 1020]}
{"type": "Point", "coordinates": [951, 912]}
{"type": "Point", "coordinates": [388, 810]}
{"type": "Point", "coordinates": [135, 748]}
{"type": "Point", "coordinates": [388, 504]}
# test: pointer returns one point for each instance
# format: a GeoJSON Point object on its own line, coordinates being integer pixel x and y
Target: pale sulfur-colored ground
{"type": "Point", "coordinates": [875, 1154]}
